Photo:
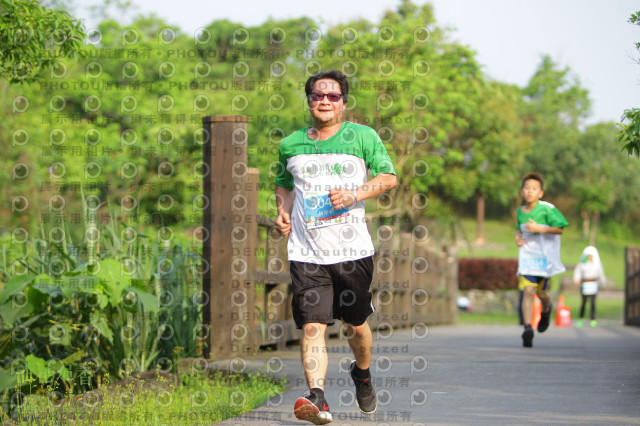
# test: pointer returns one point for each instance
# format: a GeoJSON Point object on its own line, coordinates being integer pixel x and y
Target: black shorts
{"type": "Point", "coordinates": [322, 293]}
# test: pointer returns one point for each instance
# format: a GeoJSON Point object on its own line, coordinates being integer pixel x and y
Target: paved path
{"type": "Point", "coordinates": [476, 375]}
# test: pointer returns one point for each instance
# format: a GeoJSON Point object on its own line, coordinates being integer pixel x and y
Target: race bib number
{"type": "Point", "coordinates": [532, 259]}
{"type": "Point", "coordinates": [531, 265]}
{"type": "Point", "coordinates": [319, 211]}
{"type": "Point", "coordinates": [589, 288]}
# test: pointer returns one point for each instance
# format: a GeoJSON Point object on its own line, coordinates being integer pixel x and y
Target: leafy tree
{"type": "Point", "coordinates": [629, 133]}
{"type": "Point", "coordinates": [593, 183]}
{"type": "Point", "coordinates": [603, 183]}
{"type": "Point", "coordinates": [498, 148]}
{"type": "Point", "coordinates": [33, 37]}
{"type": "Point", "coordinates": [554, 106]}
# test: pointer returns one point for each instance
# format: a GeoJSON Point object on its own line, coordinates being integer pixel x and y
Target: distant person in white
{"type": "Point", "coordinates": [589, 274]}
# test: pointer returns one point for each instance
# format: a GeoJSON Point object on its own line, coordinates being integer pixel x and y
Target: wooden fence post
{"type": "Point", "coordinates": [381, 287]}
{"type": "Point", "coordinates": [420, 293]}
{"type": "Point", "coordinates": [452, 285]}
{"type": "Point", "coordinates": [225, 152]}
{"type": "Point", "coordinates": [402, 285]}
{"type": "Point", "coordinates": [250, 253]}
{"type": "Point", "coordinates": [632, 286]}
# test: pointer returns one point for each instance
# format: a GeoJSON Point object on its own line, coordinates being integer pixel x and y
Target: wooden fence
{"type": "Point", "coordinates": [246, 279]}
{"type": "Point", "coordinates": [632, 286]}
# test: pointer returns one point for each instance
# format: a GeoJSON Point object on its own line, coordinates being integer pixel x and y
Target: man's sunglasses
{"type": "Point", "coordinates": [317, 97]}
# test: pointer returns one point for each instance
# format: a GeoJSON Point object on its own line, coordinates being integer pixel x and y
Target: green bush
{"type": "Point", "coordinates": [114, 304]}
{"type": "Point", "coordinates": [487, 274]}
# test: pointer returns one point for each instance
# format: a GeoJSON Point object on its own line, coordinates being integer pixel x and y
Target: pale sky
{"type": "Point", "coordinates": [592, 37]}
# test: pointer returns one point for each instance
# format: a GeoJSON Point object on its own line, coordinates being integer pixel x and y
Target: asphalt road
{"type": "Point", "coordinates": [476, 375]}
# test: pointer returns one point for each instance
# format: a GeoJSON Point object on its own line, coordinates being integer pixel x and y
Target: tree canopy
{"type": "Point", "coordinates": [33, 37]}
{"type": "Point", "coordinates": [122, 120]}
{"type": "Point", "coordinates": [629, 133]}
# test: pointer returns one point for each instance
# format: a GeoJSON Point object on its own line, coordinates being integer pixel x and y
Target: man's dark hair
{"type": "Point", "coordinates": [333, 75]}
{"type": "Point", "coordinates": [534, 176]}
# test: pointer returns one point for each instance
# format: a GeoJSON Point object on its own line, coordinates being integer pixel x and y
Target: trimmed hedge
{"type": "Point", "coordinates": [487, 274]}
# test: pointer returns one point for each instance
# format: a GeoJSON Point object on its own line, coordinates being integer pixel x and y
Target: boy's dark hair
{"type": "Point", "coordinates": [333, 75]}
{"type": "Point", "coordinates": [534, 176]}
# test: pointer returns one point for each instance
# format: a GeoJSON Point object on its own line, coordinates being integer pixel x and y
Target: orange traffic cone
{"type": "Point", "coordinates": [536, 311]}
{"type": "Point", "coordinates": [563, 314]}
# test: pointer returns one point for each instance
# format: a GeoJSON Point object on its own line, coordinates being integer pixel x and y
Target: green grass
{"type": "Point", "coordinates": [609, 309]}
{"type": "Point", "coordinates": [499, 236]}
{"type": "Point", "coordinates": [200, 399]}
{"type": "Point", "coordinates": [472, 318]}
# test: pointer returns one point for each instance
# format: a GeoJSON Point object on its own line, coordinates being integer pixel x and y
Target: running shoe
{"type": "Point", "coordinates": [543, 324]}
{"type": "Point", "coordinates": [527, 338]}
{"type": "Point", "coordinates": [366, 399]}
{"type": "Point", "coordinates": [313, 408]}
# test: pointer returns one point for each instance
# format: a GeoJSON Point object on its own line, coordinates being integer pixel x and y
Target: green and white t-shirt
{"type": "Point", "coordinates": [540, 254]}
{"type": "Point", "coordinates": [319, 233]}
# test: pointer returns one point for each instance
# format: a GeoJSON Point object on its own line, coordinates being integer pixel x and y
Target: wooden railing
{"type": "Point", "coordinates": [632, 286]}
{"type": "Point", "coordinates": [413, 283]}
{"type": "Point", "coordinates": [248, 285]}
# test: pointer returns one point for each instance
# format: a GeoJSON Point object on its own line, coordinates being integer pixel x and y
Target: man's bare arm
{"type": "Point", "coordinates": [532, 226]}
{"type": "Point", "coordinates": [376, 186]}
{"type": "Point", "coordinates": [284, 203]}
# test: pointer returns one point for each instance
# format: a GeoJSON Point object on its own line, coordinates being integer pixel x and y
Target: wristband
{"type": "Point", "coordinates": [355, 196]}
